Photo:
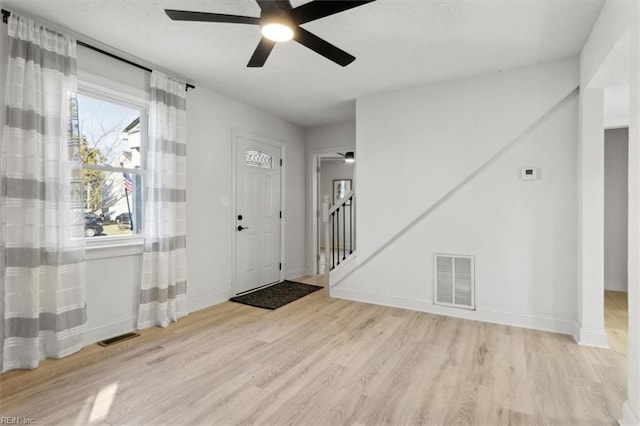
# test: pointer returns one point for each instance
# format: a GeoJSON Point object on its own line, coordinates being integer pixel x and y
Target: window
{"type": "Point", "coordinates": [112, 150]}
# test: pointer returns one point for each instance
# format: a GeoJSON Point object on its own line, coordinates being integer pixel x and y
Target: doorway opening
{"type": "Point", "coordinates": [616, 159]}
{"type": "Point", "coordinates": [332, 174]}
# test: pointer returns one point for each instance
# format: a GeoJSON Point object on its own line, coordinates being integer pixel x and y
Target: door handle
{"type": "Point", "coordinates": [240, 227]}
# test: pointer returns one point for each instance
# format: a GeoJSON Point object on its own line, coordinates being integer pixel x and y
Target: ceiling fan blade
{"type": "Point", "coordinates": [319, 9]}
{"type": "Point", "coordinates": [283, 4]}
{"type": "Point", "coordinates": [261, 53]}
{"type": "Point", "coordinates": [186, 15]}
{"type": "Point", "coordinates": [268, 5]}
{"type": "Point", "coordinates": [265, 4]}
{"type": "Point", "coordinates": [322, 47]}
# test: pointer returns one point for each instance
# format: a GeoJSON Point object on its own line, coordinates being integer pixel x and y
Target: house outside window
{"type": "Point", "coordinates": [112, 133]}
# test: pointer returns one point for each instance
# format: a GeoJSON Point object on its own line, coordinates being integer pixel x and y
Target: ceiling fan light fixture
{"type": "Point", "coordinates": [349, 157]}
{"type": "Point", "coordinates": [277, 28]}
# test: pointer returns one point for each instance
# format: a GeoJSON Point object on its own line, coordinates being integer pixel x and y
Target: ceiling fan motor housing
{"type": "Point", "coordinates": [277, 16]}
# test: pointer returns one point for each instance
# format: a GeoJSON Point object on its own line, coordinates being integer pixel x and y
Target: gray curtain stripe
{"type": "Point", "coordinates": [169, 99]}
{"type": "Point", "coordinates": [172, 147]}
{"type": "Point", "coordinates": [26, 257]}
{"type": "Point", "coordinates": [162, 295]}
{"type": "Point", "coordinates": [181, 149]}
{"type": "Point", "coordinates": [31, 327]}
{"type": "Point", "coordinates": [167, 244]}
{"type": "Point", "coordinates": [31, 52]}
{"type": "Point", "coordinates": [26, 120]}
{"type": "Point", "coordinates": [26, 189]}
{"type": "Point", "coordinates": [167, 195]}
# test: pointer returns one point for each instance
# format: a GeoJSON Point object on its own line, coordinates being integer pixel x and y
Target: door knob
{"type": "Point", "coordinates": [240, 228]}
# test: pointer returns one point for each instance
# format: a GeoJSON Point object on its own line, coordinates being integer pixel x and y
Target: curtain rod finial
{"type": "Point", "coordinates": [5, 16]}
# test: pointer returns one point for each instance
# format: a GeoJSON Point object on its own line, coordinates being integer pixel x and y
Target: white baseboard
{"type": "Point", "coordinates": [629, 417]}
{"type": "Point", "coordinates": [295, 273]}
{"type": "Point", "coordinates": [110, 330]}
{"type": "Point", "coordinates": [589, 337]}
{"type": "Point", "coordinates": [201, 302]}
{"type": "Point", "coordinates": [523, 321]}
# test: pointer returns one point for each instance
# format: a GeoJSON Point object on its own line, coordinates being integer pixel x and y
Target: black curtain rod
{"type": "Point", "coordinates": [5, 19]}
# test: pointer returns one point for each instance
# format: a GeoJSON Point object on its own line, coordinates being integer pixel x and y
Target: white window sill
{"type": "Point", "coordinates": [102, 248]}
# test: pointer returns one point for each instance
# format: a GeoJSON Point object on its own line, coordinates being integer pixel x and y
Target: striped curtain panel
{"type": "Point", "coordinates": [163, 295]}
{"type": "Point", "coordinates": [41, 205]}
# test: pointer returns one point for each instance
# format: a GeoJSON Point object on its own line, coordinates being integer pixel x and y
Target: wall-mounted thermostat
{"type": "Point", "coordinates": [529, 173]}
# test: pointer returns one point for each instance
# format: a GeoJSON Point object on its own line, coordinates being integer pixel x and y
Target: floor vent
{"type": "Point", "coordinates": [454, 283]}
{"type": "Point", "coordinates": [118, 339]}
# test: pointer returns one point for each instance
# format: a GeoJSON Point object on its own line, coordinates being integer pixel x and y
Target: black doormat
{"type": "Point", "coordinates": [277, 295]}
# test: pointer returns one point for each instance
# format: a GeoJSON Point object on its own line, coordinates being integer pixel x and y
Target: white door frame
{"type": "Point", "coordinates": [239, 133]}
{"type": "Point", "coordinates": [314, 161]}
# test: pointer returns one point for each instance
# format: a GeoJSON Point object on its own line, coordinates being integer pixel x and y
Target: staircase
{"type": "Point", "coordinates": [340, 234]}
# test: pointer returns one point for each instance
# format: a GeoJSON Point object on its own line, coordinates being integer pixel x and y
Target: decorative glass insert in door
{"type": "Point", "coordinates": [260, 159]}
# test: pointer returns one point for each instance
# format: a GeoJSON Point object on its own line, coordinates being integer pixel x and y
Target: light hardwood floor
{"type": "Point", "coordinates": [616, 319]}
{"type": "Point", "coordinates": [326, 361]}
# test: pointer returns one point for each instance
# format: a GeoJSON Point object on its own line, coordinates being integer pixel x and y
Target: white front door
{"type": "Point", "coordinates": [257, 219]}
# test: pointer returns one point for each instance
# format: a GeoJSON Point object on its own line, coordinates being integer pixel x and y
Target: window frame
{"type": "Point", "coordinates": [110, 91]}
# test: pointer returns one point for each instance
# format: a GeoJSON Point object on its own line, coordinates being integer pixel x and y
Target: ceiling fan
{"type": "Point", "coordinates": [279, 22]}
{"type": "Point", "coordinates": [349, 157]}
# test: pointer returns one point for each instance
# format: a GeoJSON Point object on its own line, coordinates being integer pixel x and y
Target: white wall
{"type": "Point", "coordinates": [437, 135]}
{"type": "Point", "coordinates": [338, 135]}
{"type": "Point", "coordinates": [616, 107]}
{"type": "Point", "coordinates": [113, 275]}
{"type": "Point", "coordinates": [210, 121]}
{"type": "Point", "coordinates": [616, 158]}
{"type": "Point", "coordinates": [450, 189]}
{"type": "Point", "coordinates": [96, 63]}
{"type": "Point", "coordinates": [590, 237]}
{"type": "Point", "coordinates": [613, 22]}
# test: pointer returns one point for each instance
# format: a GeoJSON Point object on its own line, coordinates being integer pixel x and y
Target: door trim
{"type": "Point", "coordinates": [239, 133]}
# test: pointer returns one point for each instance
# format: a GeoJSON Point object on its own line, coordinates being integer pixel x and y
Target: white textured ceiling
{"type": "Point", "coordinates": [398, 43]}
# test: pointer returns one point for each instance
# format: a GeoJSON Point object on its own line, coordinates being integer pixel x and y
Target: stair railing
{"type": "Point", "coordinates": [340, 221]}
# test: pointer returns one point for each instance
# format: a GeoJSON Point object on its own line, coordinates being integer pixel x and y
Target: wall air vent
{"type": "Point", "coordinates": [454, 283]}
